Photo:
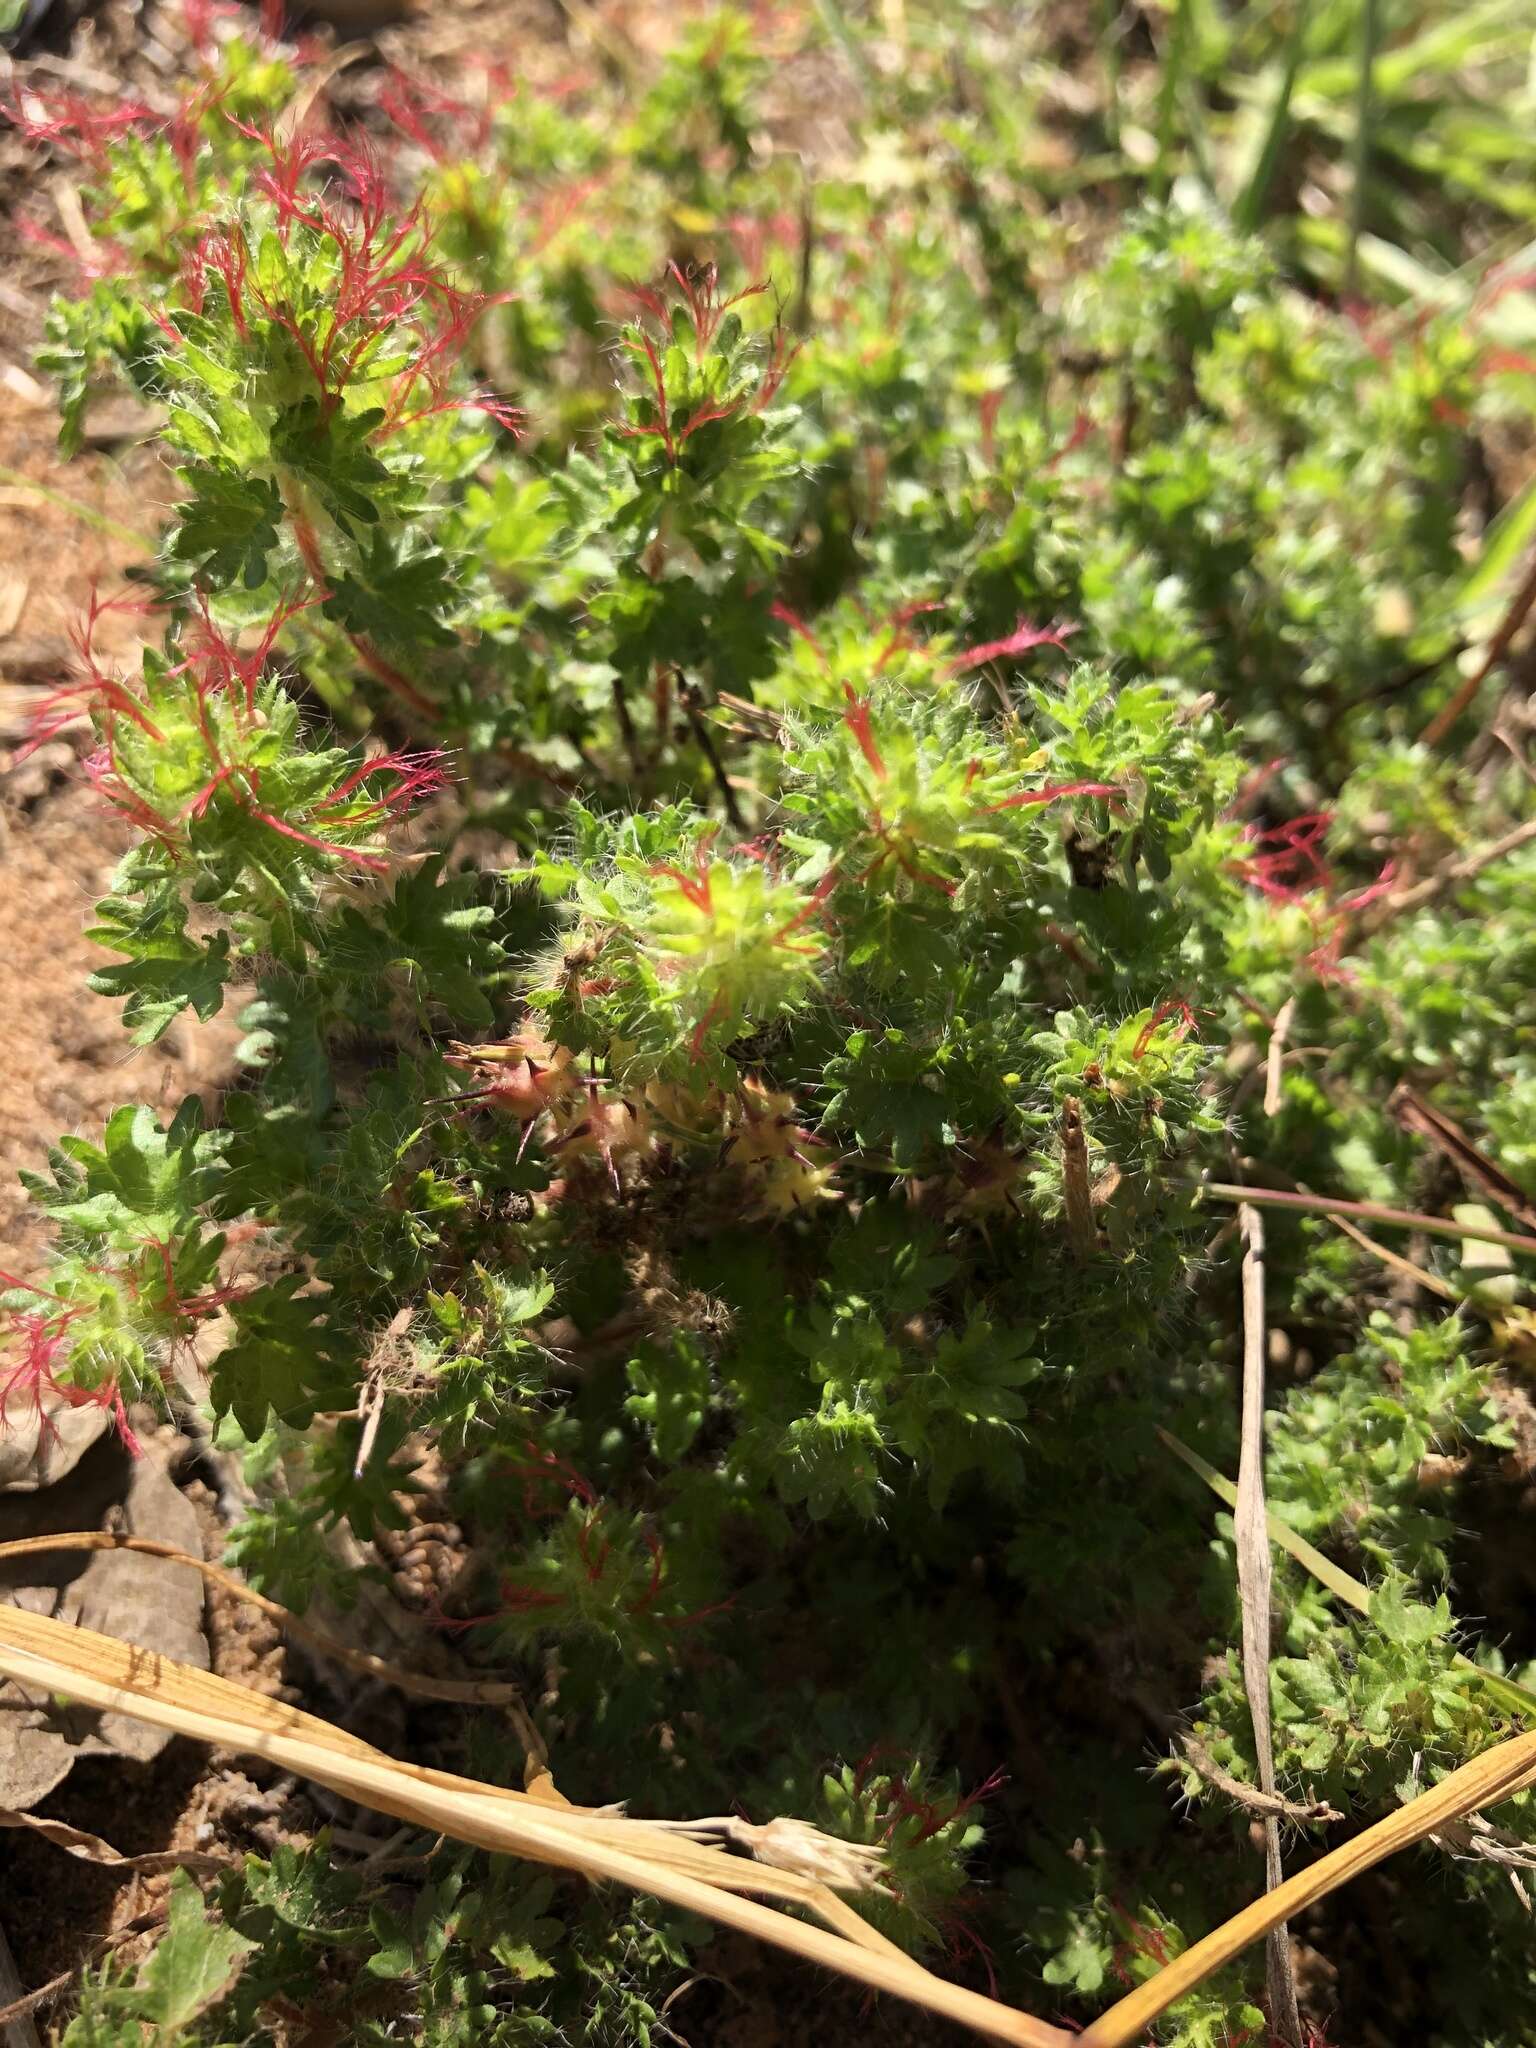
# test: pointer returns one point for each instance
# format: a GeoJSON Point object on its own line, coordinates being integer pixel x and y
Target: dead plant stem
{"type": "Point", "coordinates": [1254, 1579]}
{"type": "Point", "coordinates": [1498, 647]}
{"type": "Point", "coordinates": [1366, 1212]}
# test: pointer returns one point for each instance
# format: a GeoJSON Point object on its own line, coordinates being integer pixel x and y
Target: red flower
{"type": "Point", "coordinates": [1294, 870]}
{"type": "Point", "coordinates": [69, 122]}
{"type": "Point", "coordinates": [34, 1376]}
{"type": "Point", "coordinates": [857, 720]}
{"type": "Point", "coordinates": [696, 887]}
{"type": "Point", "coordinates": [700, 293]}
{"type": "Point", "coordinates": [1021, 640]}
{"type": "Point", "coordinates": [1175, 1006]}
{"type": "Point", "coordinates": [385, 282]}
{"type": "Point", "coordinates": [219, 672]}
{"type": "Point", "coordinates": [413, 103]}
{"type": "Point", "coordinates": [97, 691]}
{"type": "Point", "coordinates": [1292, 863]}
{"type": "Point", "coordinates": [1051, 793]}
{"type": "Point", "coordinates": [780, 611]}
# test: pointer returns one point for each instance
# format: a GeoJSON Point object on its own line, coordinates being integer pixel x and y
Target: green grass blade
{"type": "Point", "coordinates": [1449, 47]}
{"type": "Point", "coordinates": [1504, 546]}
{"type": "Point", "coordinates": [1171, 95]}
{"type": "Point", "coordinates": [1394, 267]}
{"type": "Point", "coordinates": [1361, 164]}
{"type": "Point", "coordinates": [1477, 37]}
{"type": "Point", "coordinates": [1248, 207]}
{"type": "Point", "coordinates": [1338, 1581]}
{"type": "Point", "coordinates": [1511, 1694]}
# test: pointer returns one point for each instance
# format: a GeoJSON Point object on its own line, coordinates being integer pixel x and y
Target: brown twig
{"type": "Point", "coordinates": [1267, 1805]}
{"type": "Point", "coordinates": [757, 723]}
{"type": "Point", "coordinates": [21, 2009]}
{"type": "Point", "coordinates": [1417, 1114]}
{"type": "Point", "coordinates": [1251, 1525]}
{"type": "Point", "coordinates": [627, 731]}
{"type": "Point", "coordinates": [800, 313]}
{"type": "Point", "coordinates": [33, 2001]}
{"type": "Point", "coordinates": [371, 1397]}
{"type": "Point", "coordinates": [1076, 1183]}
{"type": "Point", "coordinates": [472, 1692]}
{"type": "Point", "coordinates": [1123, 431]}
{"type": "Point", "coordinates": [1274, 1068]}
{"type": "Point", "coordinates": [691, 697]}
{"type": "Point", "coordinates": [1366, 1212]}
{"type": "Point", "coordinates": [1515, 751]}
{"type": "Point", "coordinates": [1498, 647]}
{"type": "Point", "coordinates": [1446, 878]}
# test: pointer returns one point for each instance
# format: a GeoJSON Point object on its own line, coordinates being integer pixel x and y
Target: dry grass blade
{"type": "Point", "coordinates": [317, 83]}
{"type": "Point", "coordinates": [464, 1692]}
{"type": "Point", "coordinates": [92, 1849]}
{"type": "Point", "coordinates": [800, 1858]}
{"type": "Point", "coordinates": [1274, 1067]}
{"type": "Point", "coordinates": [1338, 1582]}
{"type": "Point", "coordinates": [1253, 1579]}
{"type": "Point", "coordinates": [1514, 618]}
{"type": "Point", "coordinates": [1495, 1776]}
{"type": "Point", "coordinates": [1365, 1212]}
{"type": "Point", "coordinates": [1420, 1275]}
{"type": "Point", "coordinates": [1418, 1114]}
{"type": "Point", "coordinates": [100, 1672]}
{"type": "Point", "coordinates": [1477, 1840]}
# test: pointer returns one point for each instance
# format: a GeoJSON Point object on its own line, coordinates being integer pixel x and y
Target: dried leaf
{"type": "Point", "coordinates": [92, 1849]}
{"type": "Point", "coordinates": [672, 1864]}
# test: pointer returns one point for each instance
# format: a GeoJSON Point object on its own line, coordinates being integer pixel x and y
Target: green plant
{"type": "Point", "coordinates": [943, 704]}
